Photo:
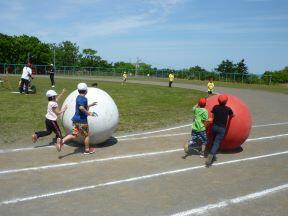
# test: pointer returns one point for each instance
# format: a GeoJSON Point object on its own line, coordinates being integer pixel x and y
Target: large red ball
{"type": "Point", "coordinates": [240, 125]}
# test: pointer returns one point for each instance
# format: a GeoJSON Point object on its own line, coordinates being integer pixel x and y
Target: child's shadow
{"type": "Point", "coordinates": [191, 153]}
{"type": "Point", "coordinates": [80, 148]}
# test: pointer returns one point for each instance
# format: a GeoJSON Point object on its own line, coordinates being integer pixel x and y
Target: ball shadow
{"type": "Point", "coordinates": [80, 147]}
{"type": "Point", "coordinates": [232, 151]}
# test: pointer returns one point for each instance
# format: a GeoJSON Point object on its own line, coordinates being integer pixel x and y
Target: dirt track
{"type": "Point", "coordinates": [146, 174]}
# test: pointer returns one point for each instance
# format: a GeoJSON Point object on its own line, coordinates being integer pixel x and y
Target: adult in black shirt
{"type": "Point", "coordinates": [52, 72]}
{"type": "Point", "coordinates": [221, 113]}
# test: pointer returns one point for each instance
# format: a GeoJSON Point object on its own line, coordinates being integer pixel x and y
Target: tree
{"type": "Point", "coordinates": [67, 53]}
{"type": "Point", "coordinates": [225, 67]}
{"type": "Point", "coordinates": [241, 68]}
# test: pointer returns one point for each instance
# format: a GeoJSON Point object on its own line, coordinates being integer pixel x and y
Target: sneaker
{"type": "Point", "coordinates": [90, 151]}
{"type": "Point", "coordinates": [201, 154]}
{"type": "Point", "coordinates": [209, 160]}
{"type": "Point", "coordinates": [53, 86]}
{"type": "Point", "coordinates": [34, 138]}
{"type": "Point", "coordinates": [59, 144]}
{"type": "Point", "coordinates": [186, 148]}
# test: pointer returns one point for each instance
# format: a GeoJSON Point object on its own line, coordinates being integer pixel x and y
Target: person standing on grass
{"type": "Point", "coordinates": [221, 115]}
{"type": "Point", "coordinates": [52, 73]}
{"type": "Point", "coordinates": [124, 78]}
{"type": "Point", "coordinates": [198, 132]}
{"type": "Point", "coordinates": [210, 86]}
{"type": "Point", "coordinates": [171, 79]}
{"type": "Point", "coordinates": [51, 117]}
{"type": "Point", "coordinates": [25, 78]}
{"type": "Point", "coordinates": [80, 122]}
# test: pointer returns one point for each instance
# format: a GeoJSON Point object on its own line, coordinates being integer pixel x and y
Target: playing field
{"type": "Point", "coordinates": [144, 173]}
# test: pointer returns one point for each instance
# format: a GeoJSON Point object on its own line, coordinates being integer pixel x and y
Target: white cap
{"type": "Point", "coordinates": [51, 64]}
{"type": "Point", "coordinates": [82, 86]}
{"type": "Point", "coordinates": [51, 93]}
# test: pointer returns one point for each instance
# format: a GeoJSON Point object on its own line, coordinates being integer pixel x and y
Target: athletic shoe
{"type": "Point", "coordinates": [34, 138]}
{"type": "Point", "coordinates": [201, 154]}
{"type": "Point", "coordinates": [186, 148]}
{"type": "Point", "coordinates": [90, 151]}
{"type": "Point", "coordinates": [52, 86]}
{"type": "Point", "coordinates": [59, 144]}
{"type": "Point", "coordinates": [209, 160]}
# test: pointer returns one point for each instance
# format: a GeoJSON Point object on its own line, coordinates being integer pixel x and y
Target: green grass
{"type": "Point", "coordinates": [141, 107]}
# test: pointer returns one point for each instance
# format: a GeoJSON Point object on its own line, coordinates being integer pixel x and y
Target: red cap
{"type": "Point", "coordinates": [222, 99]}
{"type": "Point", "coordinates": [202, 102]}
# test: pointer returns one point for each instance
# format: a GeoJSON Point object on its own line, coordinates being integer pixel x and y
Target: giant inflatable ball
{"type": "Point", "coordinates": [105, 121]}
{"type": "Point", "coordinates": [240, 125]}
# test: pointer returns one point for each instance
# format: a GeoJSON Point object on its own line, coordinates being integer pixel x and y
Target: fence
{"type": "Point", "coordinates": [139, 73]}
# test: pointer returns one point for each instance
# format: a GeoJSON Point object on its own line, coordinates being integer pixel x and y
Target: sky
{"type": "Point", "coordinates": [172, 34]}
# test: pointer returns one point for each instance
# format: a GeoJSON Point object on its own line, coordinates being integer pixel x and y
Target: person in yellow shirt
{"type": "Point", "coordinates": [124, 78]}
{"type": "Point", "coordinates": [210, 86]}
{"type": "Point", "coordinates": [171, 78]}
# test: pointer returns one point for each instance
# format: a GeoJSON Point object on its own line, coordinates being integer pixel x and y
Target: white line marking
{"type": "Point", "coordinates": [205, 209]}
{"type": "Point", "coordinates": [268, 125]}
{"type": "Point", "coordinates": [157, 136]}
{"type": "Point", "coordinates": [133, 179]}
{"type": "Point", "coordinates": [152, 132]}
{"type": "Point", "coordinates": [3, 172]}
{"type": "Point", "coordinates": [89, 161]}
{"type": "Point", "coordinates": [2, 151]}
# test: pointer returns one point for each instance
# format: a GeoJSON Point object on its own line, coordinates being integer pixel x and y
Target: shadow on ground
{"type": "Point", "coordinates": [79, 148]}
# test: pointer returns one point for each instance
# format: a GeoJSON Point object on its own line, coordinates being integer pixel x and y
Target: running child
{"type": "Point", "coordinates": [51, 117]}
{"type": "Point", "coordinates": [80, 122]}
{"type": "Point", "coordinates": [198, 132]}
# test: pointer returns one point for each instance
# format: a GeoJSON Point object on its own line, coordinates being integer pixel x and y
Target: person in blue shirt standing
{"type": "Point", "coordinates": [80, 122]}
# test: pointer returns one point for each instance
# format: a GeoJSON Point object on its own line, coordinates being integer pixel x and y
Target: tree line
{"type": "Point", "coordinates": [23, 48]}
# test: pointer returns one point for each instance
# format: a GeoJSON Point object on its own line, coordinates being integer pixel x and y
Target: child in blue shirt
{"type": "Point", "coordinates": [80, 122]}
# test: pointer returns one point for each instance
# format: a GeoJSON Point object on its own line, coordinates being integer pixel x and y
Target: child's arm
{"type": "Point", "coordinates": [92, 104]}
{"type": "Point", "coordinates": [60, 95]}
{"type": "Point", "coordinates": [58, 112]}
{"type": "Point", "coordinates": [82, 109]}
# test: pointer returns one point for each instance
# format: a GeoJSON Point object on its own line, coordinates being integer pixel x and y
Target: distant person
{"type": "Point", "coordinates": [52, 73]}
{"type": "Point", "coordinates": [198, 132]}
{"type": "Point", "coordinates": [51, 117]}
{"type": "Point", "coordinates": [25, 78]}
{"type": "Point", "coordinates": [124, 78]}
{"type": "Point", "coordinates": [80, 122]}
{"type": "Point", "coordinates": [221, 115]}
{"type": "Point", "coordinates": [210, 86]}
{"type": "Point", "coordinates": [171, 79]}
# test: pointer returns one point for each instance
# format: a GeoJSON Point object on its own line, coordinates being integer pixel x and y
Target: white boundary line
{"type": "Point", "coordinates": [133, 179]}
{"type": "Point", "coordinates": [2, 151]}
{"type": "Point", "coordinates": [240, 199]}
{"type": "Point", "coordinates": [3, 172]}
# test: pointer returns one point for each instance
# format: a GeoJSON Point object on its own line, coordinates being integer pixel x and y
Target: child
{"type": "Point", "coordinates": [198, 127]}
{"type": "Point", "coordinates": [51, 116]}
{"type": "Point", "coordinates": [124, 78]}
{"type": "Point", "coordinates": [80, 122]}
{"type": "Point", "coordinates": [210, 86]}
{"type": "Point", "coordinates": [221, 113]}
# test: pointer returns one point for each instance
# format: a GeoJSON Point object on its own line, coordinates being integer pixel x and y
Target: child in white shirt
{"type": "Point", "coordinates": [51, 117]}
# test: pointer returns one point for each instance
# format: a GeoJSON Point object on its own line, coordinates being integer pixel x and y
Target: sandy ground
{"type": "Point", "coordinates": [147, 174]}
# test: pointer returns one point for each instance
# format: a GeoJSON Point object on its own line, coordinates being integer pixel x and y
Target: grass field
{"type": "Point", "coordinates": [141, 107]}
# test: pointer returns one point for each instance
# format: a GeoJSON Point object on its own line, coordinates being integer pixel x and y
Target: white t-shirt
{"type": "Point", "coordinates": [50, 114]}
{"type": "Point", "coordinates": [26, 72]}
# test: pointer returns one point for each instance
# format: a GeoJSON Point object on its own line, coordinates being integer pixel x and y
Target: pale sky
{"type": "Point", "coordinates": [164, 33]}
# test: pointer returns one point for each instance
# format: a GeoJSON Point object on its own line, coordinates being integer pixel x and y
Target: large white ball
{"type": "Point", "coordinates": [102, 126]}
